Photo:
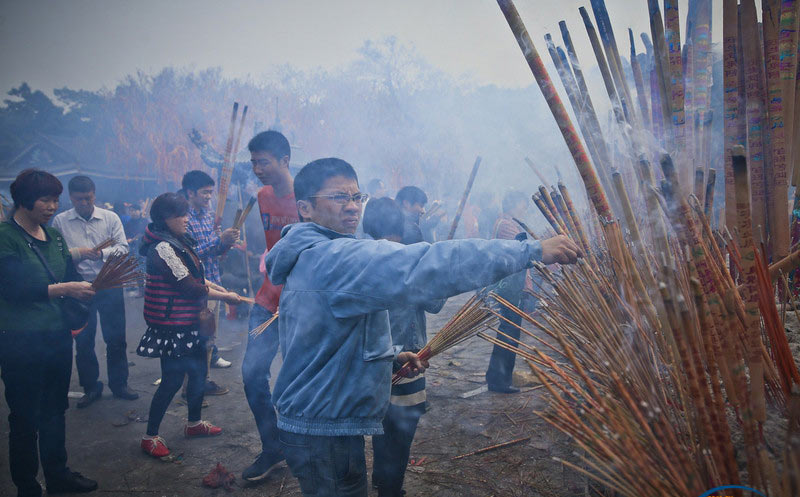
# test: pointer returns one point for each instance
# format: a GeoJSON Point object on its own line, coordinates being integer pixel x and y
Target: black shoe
{"type": "Point", "coordinates": [33, 490]}
{"type": "Point", "coordinates": [382, 492]}
{"type": "Point", "coordinates": [71, 482]}
{"type": "Point", "coordinates": [90, 397]}
{"type": "Point", "coordinates": [126, 393]}
{"type": "Point", "coordinates": [262, 467]}
{"type": "Point", "coordinates": [503, 388]}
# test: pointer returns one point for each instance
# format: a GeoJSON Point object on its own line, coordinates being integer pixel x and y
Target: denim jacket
{"type": "Point", "coordinates": [334, 324]}
{"type": "Point", "coordinates": [409, 326]}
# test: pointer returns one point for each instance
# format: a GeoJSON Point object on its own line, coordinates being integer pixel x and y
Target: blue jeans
{"type": "Point", "coordinates": [391, 450]}
{"type": "Point", "coordinates": [501, 363]}
{"type": "Point", "coordinates": [258, 357]}
{"type": "Point", "coordinates": [326, 466]}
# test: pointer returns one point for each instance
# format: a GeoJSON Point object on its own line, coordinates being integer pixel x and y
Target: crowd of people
{"type": "Point", "coordinates": [351, 310]}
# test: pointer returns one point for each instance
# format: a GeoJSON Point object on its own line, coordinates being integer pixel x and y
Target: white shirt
{"type": "Point", "coordinates": [78, 232]}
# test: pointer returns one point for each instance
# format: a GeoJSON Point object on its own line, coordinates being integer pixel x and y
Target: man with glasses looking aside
{"type": "Point", "coordinates": [334, 384]}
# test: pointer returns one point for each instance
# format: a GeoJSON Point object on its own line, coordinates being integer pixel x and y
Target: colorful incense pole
{"type": "Point", "coordinates": [587, 172]}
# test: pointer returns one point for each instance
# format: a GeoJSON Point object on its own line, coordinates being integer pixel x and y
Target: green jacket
{"type": "Point", "coordinates": [24, 304]}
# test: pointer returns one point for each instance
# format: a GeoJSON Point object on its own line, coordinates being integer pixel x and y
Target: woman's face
{"type": "Point", "coordinates": [44, 209]}
{"type": "Point", "coordinates": [177, 225]}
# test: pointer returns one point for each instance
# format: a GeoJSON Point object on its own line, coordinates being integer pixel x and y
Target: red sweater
{"type": "Point", "coordinates": [276, 213]}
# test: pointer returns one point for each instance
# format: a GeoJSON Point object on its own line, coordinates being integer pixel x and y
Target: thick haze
{"type": "Point", "coordinates": [95, 44]}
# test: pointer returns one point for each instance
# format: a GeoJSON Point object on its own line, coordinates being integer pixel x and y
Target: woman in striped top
{"type": "Point", "coordinates": [175, 293]}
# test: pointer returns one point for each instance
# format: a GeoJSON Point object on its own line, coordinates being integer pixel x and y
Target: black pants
{"type": "Point", "coordinates": [36, 369]}
{"type": "Point", "coordinates": [111, 307]}
{"type": "Point", "coordinates": [391, 450]}
{"type": "Point", "coordinates": [501, 363]}
{"type": "Point", "coordinates": [173, 369]}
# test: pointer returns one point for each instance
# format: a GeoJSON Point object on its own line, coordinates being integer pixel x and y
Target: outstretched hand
{"type": "Point", "coordinates": [560, 249]}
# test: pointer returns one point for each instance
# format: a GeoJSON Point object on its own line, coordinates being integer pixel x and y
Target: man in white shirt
{"type": "Point", "coordinates": [85, 227]}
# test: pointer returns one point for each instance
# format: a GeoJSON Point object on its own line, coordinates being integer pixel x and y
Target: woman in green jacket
{"type": "Point", "coordinates": [35, 341]}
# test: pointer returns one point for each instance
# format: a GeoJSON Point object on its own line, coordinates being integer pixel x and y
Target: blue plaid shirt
{"type": "Point", "coordinates": [209, 245]}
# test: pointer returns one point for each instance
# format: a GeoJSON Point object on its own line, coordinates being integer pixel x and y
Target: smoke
{"type": "Point", "coordinates": [390, 113]}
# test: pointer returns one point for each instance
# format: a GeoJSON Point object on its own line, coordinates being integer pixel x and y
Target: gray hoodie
{"type": "Point", "coordinates": [334, 325]}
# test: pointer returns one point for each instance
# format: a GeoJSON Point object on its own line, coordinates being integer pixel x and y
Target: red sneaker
{"type": "Point", "coordinates": [203, 429]}
{"type": "Point", "coordinates": [155, 446]}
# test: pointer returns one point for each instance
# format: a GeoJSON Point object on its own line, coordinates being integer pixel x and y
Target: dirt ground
{"type": "Point", "coordinates": [103, 439]}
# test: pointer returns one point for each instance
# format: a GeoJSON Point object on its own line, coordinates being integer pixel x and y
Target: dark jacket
{"type": "Point", "coordinates": [411, 231]}
{"type": "Point", "coordinates": [24, 302]}
{"type": "Point", "coordinates": [175, 290]}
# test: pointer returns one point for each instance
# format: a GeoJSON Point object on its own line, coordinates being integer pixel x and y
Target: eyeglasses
{"type": "Point", "coordinates": [345, 198]}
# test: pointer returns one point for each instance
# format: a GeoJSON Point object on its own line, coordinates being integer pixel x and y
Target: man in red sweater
{"type": "Point", "coordinates": [269, 154]}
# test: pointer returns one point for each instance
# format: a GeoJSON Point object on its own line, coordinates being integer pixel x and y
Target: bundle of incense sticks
{"type": "Point", "coordinates": [473, 317]}
{"type": "Point", "coordinates": [104, 244]}
{"type": "Point", "coordinates": [667, 362]}
{"type": "Point", "coordinates": [241, 214]}
{"type": "Point", "coordinates": [118, 270]}
{"type": "Point", "coordinates": [258, 330]}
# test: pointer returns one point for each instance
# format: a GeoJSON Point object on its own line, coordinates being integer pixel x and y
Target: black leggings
{"type": "Point", "coordinates": [173, 370]}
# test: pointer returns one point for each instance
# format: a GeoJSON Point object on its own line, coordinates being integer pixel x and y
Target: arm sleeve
{"type": "Point", "coordinates": [168, 263]}
{"type": "Point", "coordinates": [370, 276]}
{"type": "Point", "coordinates": [434, 306]}
{"type": "Point", "coordinates": [120, 240]}
{"type": "Point", "coordinates": [209, 247]}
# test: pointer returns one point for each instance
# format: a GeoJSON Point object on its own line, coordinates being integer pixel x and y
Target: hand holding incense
{"type": "Point", "coordinates": [467, 322]}
{"type": "Point", "coordinates": [118, 270]}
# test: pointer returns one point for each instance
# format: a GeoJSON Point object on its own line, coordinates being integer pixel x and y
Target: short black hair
{"type": "Point", "coordinates": [32, 184]}
{"type": "Point", "coordinates": [271, 141]}
{"type": "Point", "coordinates": [314, 174]}
{"type": "Point", "coordinates": [195, 180]}
{"type": "Point", "coordinates": [512, 198]}
{"type": "Point", "coordinates": [80, 184]}
{"type": "Point", "coordinates": [383, 218]}
{"type": "Point", "coordinates": [166, 206]}
{"type": "Point", "coordinates": [412, 195]}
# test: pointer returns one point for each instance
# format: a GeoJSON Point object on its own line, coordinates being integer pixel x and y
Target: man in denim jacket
{"type": "Point", "coordinates": [334, 384]}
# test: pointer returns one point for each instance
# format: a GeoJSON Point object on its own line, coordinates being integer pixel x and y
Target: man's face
{"type": "Point", "coordinates": [201, 199]}
{"type": "Point", "coordinates": [83, 203]}
{"type": "Point", "coordinates": [519, 210]}
{"type": "Point", "coordinates": [330, 214]}
{"type": "Point", "coordinates": [414, 210]}
{"type": "Point", "coordinates": [266, 167]}
{"type": "Point", "coordinates": [380, 192]}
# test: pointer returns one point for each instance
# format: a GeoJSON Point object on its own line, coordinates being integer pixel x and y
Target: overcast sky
{"type": "Point", "coordinates": [91, 44]}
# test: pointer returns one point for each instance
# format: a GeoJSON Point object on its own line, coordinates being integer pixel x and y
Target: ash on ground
{"type": "Point", "coordinates": [103, 439]}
